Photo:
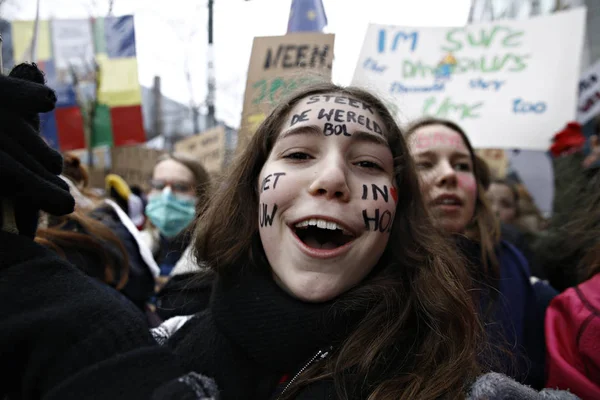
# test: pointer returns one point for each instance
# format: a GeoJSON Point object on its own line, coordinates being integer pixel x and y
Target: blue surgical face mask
{"type": "Point", "coordinates": [170, 213]}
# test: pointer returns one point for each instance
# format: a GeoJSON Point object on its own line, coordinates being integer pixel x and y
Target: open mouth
{"type": "Point", "coordinates": [448, 200]}
{"type": "Point", "coordinates": [322, 234]}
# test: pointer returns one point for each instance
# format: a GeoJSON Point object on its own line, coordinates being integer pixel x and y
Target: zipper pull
{"type": "Point", "coordinates": [320, 355]}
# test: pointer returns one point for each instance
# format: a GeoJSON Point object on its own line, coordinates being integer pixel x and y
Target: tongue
{"type": "Point", "coordinates": [315, 244]}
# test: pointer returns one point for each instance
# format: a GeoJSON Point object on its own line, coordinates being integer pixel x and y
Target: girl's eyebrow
{"type": "Point", "coordinates": [362, 136]}
{"type": "Point", "coordinates": [311, 130]}
{"type": "Point", "coordinates": [358, 136]}
{"type": "Point", "coordinates": [431, 153]}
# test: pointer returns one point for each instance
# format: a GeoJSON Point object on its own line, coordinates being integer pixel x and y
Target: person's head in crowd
{"type": "Point", "coordinates": [119, 191]}
{"type": "Point", "coordinates": [530, 217]}
{"type": "Point", "coordinates": [179, 186]}
{"type": "Point", "coordinates": [325, 201]}
{"type": "Point", "coordinates": [75, 171]}
{"type": "Point", "coordinates": [89, 245]}
{"type": "Point", "coordinates": [452, 183]}
{"type": "Point", "coordinates": [76, 176]}
{"type": "Point", "coordinates": [503, 196]}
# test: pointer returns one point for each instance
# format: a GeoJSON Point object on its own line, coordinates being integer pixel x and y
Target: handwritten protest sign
{"type": "Point", "coordinates": [207, 147]}
{"type": "Point", "coordinates": [507, 83]}
{"type": "Point", "coordinates": [589, 94]}
{"type": "Point", "coordinates": [135, 164]}
{"type": "Point", "coordinates": [278, 66]}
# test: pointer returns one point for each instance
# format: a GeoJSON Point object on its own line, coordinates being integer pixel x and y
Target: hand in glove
{"type": "Point", "coordinates": [28, 166]}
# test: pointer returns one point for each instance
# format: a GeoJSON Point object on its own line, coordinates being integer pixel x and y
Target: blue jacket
{"type": "Point", "coordinates": [513, 321]}
{"type": "Point", "coordinates": [520, 309]}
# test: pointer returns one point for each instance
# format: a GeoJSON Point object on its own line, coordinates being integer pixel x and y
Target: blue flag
{"type": "Point", "coordinates": [307, 16]}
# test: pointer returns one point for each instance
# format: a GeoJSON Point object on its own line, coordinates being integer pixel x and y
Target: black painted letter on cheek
{"type": "Point", "coordinates": [382, 221]}
{"type": "Point", "coordinates": [368, 220]}
{"type": "Point", "coordinates": [377, 191]}
{"type": "Point", "coordinates": [384, 192]}
{"type": "Point", "coordinates": [277, 175]}
{"type": "Point", "coordinates": [263, 215]}
{"type": "Point", "coordinates": [267, 179]}
{"type": "Point", "coordinates": [385, 225]}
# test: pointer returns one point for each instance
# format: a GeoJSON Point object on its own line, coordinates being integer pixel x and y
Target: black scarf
{"type": "Point", "coordinates": [254, 333]}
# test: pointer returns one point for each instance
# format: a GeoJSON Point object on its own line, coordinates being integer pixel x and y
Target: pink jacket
{"type": "Point", "coordinates": [573, 340]}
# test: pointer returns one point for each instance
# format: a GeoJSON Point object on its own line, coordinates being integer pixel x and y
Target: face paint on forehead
{"type": "Point", "coordinates": [428, 140]}
{"type": "Point", "coordinates": [339, 99]}
{"type": "Point", "coordinates": [336, 120]}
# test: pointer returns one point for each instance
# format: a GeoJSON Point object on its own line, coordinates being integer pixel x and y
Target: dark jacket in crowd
{"type": "Point", "coordinates": [184, 294]}
{"type": "Point", "coordinates": [142, 270]}
{"type": "Point", "coordinates": [63, 337]}
{"type": "Point", "coordinates": [511, 316]}
{"type": "Point", "coordinates": [559, 250]}
{"type": "Point", "coordinates": [522, 241]}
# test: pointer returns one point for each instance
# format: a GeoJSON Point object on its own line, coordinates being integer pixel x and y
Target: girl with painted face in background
{"type": "Point", "coordinates": [455, 197]}
{"type": "Point", "coordinates": [179, 185]}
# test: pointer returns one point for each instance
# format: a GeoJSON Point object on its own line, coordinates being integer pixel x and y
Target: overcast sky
{"type": "Point", "coordinates": [169, 33]}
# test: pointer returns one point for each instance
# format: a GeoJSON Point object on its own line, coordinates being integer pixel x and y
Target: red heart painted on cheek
{"type": "Point", "coordinates": [394, 194]}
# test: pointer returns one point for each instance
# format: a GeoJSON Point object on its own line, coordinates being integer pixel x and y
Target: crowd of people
{"type": "Point", "coordinates": [377, 263]}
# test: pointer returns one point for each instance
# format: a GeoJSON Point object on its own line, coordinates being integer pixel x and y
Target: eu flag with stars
{"type": "Point", "coordinates": [307, 16]}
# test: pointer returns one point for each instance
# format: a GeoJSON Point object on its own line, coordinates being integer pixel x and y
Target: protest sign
{"type": "Point", "coordinates": [207, 147]}
{"type": "Point", "coordinates": [589, 94]}
{"type": "Point", "coordinates": [509, 84]}
{"type": "Point", "coordinates": [278, 66]}
{"type": "Point", "coordinates": [135, 164]}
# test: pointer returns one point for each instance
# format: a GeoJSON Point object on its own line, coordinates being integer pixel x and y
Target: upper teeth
{"type": "Point", "coordinates": [321, 223]}
{"type": "Point", "coordinates": [448, 201]}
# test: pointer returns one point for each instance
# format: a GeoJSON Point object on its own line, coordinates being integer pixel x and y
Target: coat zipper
{"type": "Point", "coordinates": [320, 355]}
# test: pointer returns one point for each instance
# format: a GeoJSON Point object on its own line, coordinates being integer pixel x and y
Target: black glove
{"type": "Point", "coordinates": [28, 166]}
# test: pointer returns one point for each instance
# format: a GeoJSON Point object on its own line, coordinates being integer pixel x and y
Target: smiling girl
{"type": "Point", "coordinates": [323, 247]}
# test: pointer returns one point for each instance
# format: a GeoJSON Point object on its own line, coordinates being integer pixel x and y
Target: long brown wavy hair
{"type": "Point", "coordinates": [420, 314]}
{"type": "Point", "coordinates": [484, 226]}
{"type": "Point", "coordinates": [80, 233]}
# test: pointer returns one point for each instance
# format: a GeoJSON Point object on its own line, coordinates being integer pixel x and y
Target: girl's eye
{"type": "Point", "coordinates": [424, 165]}
{"type": "Point", "coordinates": [463, 167]}
{"type": "Point", "coordinates": [298, 156]}
{"type": "Point", "coordinates": [369, 164]}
